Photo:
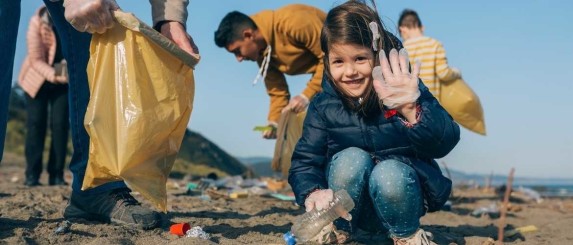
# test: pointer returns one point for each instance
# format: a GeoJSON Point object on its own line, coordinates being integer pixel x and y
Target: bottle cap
{"type": "Point", "coordinates": [179, 229]}
{"type": "Point", "coordinates": [289, 238]}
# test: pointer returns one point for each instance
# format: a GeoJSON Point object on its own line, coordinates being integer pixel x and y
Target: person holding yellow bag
{"type": "Point", "coordinates": [75, 20]}
{"type": "Point", "coordinates": [428, 51]}
{"type": "Point", "coordinates": [444, 82]}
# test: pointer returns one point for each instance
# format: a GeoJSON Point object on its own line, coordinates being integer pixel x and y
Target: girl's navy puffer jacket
{"type": "Point", "coordinates": [331, 127]}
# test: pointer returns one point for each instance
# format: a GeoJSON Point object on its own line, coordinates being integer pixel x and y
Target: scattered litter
{"type": "Point", "coordinates": [530, 194]}
{"type": "Point", "coordinates": [214, 194]}
{"type": "Point", "coordinates": [236, 195]}
{"type": "Point", "coordinates": [14, 179]}
{"type": "Point", "coordinates": [283, 196]}
{"type": "Point", "coordinates": [523, 229]}
{"type": "Point", "coordinates": [205, 197]}
{"type": "Point", "coordinates": [192, 186]}
{"type": "Point", "coordinates": [491, 210]}
{"type": "Point", "coordinates": [275, 185]}
{"type": "Point", "coordinates": [63, 228]}
{"type": "Point", "coordinates": [196, 231]}
{"type": "Point", "coordinates": [447, 206]}
{"type": "Point", "coordinates": [179, 229]}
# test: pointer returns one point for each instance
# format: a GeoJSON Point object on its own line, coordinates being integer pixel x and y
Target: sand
{"type": "Point", "coordinates": [32, 215]}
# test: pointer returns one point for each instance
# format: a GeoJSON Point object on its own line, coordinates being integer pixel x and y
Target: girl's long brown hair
{"type": "Point", "coordinates": [348, 23]}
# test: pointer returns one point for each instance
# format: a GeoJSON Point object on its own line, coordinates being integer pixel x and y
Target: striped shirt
{"type": "Point", "coordinates": [434, 65]}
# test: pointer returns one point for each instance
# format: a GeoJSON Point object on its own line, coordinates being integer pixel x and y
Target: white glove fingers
{"type": "Point", "coordinates": [404, 62]}
{"type": "Point", "coordinates": [309, 206]}
{"type": "Point", "coordinates": [385, 67]}
{"type": "Point", "coordinates": [377, 74]}
{"type": "Point", "coordinates": [394, 63]}
{"type": "Point", "coordinates": [90, 15]}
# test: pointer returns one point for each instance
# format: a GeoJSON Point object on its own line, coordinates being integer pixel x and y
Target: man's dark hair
{"type": "Point", "coordinates": [231, 28]}
{"type": "Point", "coordinates": [410, 19]}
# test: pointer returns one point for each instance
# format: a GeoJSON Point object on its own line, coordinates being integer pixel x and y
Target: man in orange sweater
{"type": "Point", "coordinates": [283, 41]}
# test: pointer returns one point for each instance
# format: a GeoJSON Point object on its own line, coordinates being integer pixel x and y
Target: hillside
{"type": "Point", "coordinates": [197, 156]}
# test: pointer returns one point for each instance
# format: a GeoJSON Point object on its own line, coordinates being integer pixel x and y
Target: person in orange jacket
{"type": "Point", "coordinates": [282, 41]}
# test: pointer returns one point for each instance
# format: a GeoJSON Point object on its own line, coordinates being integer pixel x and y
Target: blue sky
{"type": "Point", "coordinates": [516, 55]}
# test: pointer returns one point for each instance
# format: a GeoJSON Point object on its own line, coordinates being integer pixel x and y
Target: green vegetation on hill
{"type": "Point", "coordinates": [198, 156]}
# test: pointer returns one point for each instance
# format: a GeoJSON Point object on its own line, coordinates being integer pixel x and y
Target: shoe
{"type": "Point", "coordinates": [57, 181]}
{"type": "Point", "coordinates": [419, 238]}
{"type": "Point", "coordinates": [117, 206]}
{"type": "Point", "coordinates": [32, 183]}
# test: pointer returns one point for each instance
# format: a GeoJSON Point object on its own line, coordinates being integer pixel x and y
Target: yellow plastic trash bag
{"type": "Point", "coordinates": [289, 132]}
{"type": "Point", "coordinates": [141, 98]}
{"type": "Point", "coordinates": [463, 104]}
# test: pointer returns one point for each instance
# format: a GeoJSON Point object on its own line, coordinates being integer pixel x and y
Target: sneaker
{"type": "Point", "coordinates": [419, 238]}
{"type": "Point", "coordinates": [56, 181]}
{"type": "Point", "coordinates": [117, 206]}
{"type": "Point", "coordinates": [32, 183]}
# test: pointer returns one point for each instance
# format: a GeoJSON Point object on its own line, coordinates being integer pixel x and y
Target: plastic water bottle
{"type": "Point", "coordinates": [311, 223]}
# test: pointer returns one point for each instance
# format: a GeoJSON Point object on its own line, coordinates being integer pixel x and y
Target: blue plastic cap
{"type": "Point", "coordinates": [289, 238]}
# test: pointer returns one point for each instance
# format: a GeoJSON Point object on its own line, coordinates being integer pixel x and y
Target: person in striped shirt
{"type": "Point", "coordinates": [426, 50]}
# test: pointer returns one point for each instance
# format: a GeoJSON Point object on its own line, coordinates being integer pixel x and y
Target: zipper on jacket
{"type": "Point", "coordinates": [367, 138]}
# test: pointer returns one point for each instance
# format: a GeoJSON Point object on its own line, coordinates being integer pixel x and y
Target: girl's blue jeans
{"type": "Point", "coordinates": [387, 194]}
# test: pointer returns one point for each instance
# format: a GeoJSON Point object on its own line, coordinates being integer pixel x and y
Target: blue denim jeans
{"type": "Point", "coordinates": [387, 194]}
{"type": "Point", "coordinates": [75, 46]}
{"type": "Point", "coordinates": [9, 21]}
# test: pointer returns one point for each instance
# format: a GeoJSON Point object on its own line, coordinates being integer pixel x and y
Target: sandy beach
{"type": "Point", "coordinates": [32, 216]}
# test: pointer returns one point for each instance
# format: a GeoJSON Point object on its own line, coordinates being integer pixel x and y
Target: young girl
{"type": "Point", "coordinates": [373, 131]}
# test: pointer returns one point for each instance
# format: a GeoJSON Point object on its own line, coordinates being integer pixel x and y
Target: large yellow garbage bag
{"type": "Point", "coordinates": [463, 104]}
{"type": "Point", "coordinates": [289, 132]}
{"type": "Point", "coordinates": [142, 89]}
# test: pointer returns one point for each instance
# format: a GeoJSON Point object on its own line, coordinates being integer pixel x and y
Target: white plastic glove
{"type": "Point", "coordinates": [393, 82]}
{"type": "Point", "coordinates": [319, 199]}
{"type": "Point", "coordinates": [90, 15]}
{"type": "Point", "coordinates": [297, 104]}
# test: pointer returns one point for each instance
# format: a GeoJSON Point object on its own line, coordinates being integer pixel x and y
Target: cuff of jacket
{"type": "Point", "coordinates": [305, 185]}
{"type": "Point", "coordinates": [418, 117]}
{"type": "Point", "coordinates": [169, 10]}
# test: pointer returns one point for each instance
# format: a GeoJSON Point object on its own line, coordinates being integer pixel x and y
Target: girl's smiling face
{"type": "Point", "coordinates": [351, 67]}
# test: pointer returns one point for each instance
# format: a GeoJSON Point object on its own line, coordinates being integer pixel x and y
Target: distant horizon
{"type": "Point", "coordinates": [569, 180]}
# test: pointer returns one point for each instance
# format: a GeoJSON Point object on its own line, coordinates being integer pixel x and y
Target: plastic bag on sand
{"type": "Point", "coordinates": [463, 104]}
{"type": "Point", "coordinates": [142, 89]}
{"type": "Point", "coordinates": [288, 133]}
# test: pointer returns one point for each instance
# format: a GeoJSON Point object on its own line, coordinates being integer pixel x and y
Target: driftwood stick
{"type": "Point", "coordinates": [503, 210]}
